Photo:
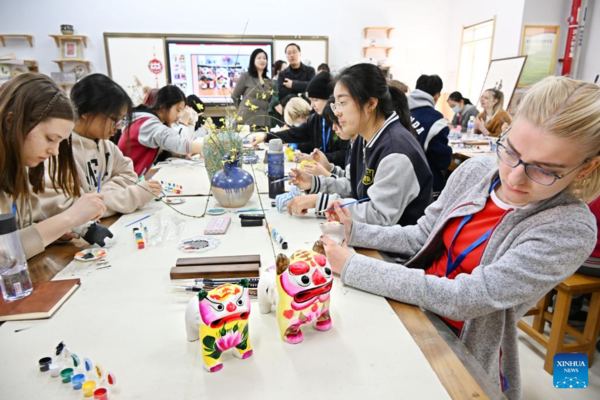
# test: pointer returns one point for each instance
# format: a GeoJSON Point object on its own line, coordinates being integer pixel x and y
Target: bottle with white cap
{"type": "Point", "coordinates": [471, 127]}
{"type": "Point", "coordinates": [15, 282]}
{"type": "Point", "coordinates": [276, 168]}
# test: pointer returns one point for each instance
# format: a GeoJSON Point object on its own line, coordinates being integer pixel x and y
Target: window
{"type": "Point", "coordinates": [475, 56]}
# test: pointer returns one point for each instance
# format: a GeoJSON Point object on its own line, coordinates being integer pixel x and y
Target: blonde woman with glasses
{"type": "Point", "coordinates": [502, 233]}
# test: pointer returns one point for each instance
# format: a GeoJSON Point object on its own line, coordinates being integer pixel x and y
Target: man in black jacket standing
{"type": "Point", "coordinates": [294, 79]}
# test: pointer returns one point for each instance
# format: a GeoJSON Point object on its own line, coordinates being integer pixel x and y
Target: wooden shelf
{"type": "Point", "coordinates": [388, 30]}
{"type": "Point", "coordinates": [14, 35]}
{"type": "Point", "coordinates": [61, 62]}
{"type": "Point", "coordinates": [59, 38]}
{"type": "Point", "coordinates": [387, 50]}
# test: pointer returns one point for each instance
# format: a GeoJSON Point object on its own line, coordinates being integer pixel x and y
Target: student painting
{"type": "Point", "coordinates": [463, 111]}
{"type": "Point", "coordinates": [150, 129]}
{"type": "Point", "coordinates": [316, 133]}
{"type": "Point", "coordinates": [252, 93]}
{"type": "Point", "coordinates": [294, 79]}
{"type": "Point", "coordinates": [103, 108]}
{"type": "Point", "coordinates": [36, 120]}
{"type": "Point", "coordinates": [296, 112]}
{"type": "Point", "coordinates": [387, 164]}
{"type": "Point", "coordinates": [493, 116]}
{"type": "Point", "coordinates": [502, 234]}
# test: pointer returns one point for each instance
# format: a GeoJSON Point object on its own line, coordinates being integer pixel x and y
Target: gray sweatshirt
{"type": "Point", "coordinates": [530, 251]}
{"type": "Point", "coordinates": [153, 133]}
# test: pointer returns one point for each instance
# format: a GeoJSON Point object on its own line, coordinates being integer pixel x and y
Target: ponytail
{"type": "Point", "coordinates": [400, 104]}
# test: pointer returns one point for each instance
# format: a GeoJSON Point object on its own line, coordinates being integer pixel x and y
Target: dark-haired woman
{"type": "Point", "coordinates": [253, 92]}
{"type": "Point", "coordinates": [150, 129]}
{"type": "Point", "coordinates": [36, 119]}
{"type": "Point", "coordinates": [463, 110]}
{"type": "Point", "coordinates": [103, 108]}
{"type": "Point", "coordinates": [387, 164]}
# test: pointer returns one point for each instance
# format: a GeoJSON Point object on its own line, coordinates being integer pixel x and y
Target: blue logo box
{"type": "Point", "coordinates": [570, 371]}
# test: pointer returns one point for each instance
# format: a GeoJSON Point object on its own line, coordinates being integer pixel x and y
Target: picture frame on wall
{"type": "Point", "coordinates": [539, 43]}
{"type": "Point", "coordinates": [71, 50]}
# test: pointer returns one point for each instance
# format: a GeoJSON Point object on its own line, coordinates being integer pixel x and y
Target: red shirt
{"type": "Point", "coordinates": [142, 156]}
{"type": "Point", "coordinates": [481, 222]}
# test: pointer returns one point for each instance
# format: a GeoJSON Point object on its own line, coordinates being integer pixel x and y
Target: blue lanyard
{"type": "Point", "coordinates": [452, 265]}
{"type": "Point", "coordinates": [328, 134]}
{"type": "Point", "coordinates": [14, 209]}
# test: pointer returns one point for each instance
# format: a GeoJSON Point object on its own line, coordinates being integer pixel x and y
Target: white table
{"type": "Point", "coordinates": [128, 319]}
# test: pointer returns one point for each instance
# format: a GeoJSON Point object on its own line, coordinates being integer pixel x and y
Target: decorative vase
{"type": "Point", "coordinates": [218, 145]}
{"type": "Point", "coordinates": [232, 186]}
{"type": "Point", "coordinates": [66, 29]}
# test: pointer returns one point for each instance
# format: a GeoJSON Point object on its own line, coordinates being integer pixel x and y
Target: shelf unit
{"type": "Point", "coordinates": [15, 36]}
{"type": "Point", "coordinates": [62, 62]}
{"type": "Point", "coordinates": [388, 30]}
{"type": "Point", "coordinates": [58, 39]}
{"type": "Point", "coordinates": [387, 50]}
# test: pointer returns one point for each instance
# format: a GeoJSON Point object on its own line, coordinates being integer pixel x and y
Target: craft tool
{"type": "Point", "coordinates": [282, 179]}
{"type": "Point", "coordinates": [139, 239]}
{"type": "Point", "coordinates": [345, 204]}
{"type": "Point", "coordinates": [142, 175]}
{"type": "Point", "coordinates": [226, 280]}
{"type": "Point", "coordinates": [217, 226]}
{"type": "Point", "coordinates": [249, 210]}
{"type": "Point", "coordinates": [278, 237]}
{"type": "Point", "coordinates": [99, 180]}
{"type": "Point", "coordinates": [136, 221]}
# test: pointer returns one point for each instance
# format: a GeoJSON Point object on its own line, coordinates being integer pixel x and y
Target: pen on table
{"type": "Point", "coordinates": [141, 219]}
{"type": "Point", "coordinates": [143, 174]}
{"type": "Point", "coordinates": [344, 205]}
{"type": "Point", "coordinates": [225, 280]}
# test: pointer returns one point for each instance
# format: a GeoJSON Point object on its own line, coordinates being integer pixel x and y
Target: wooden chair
{"type": "Point", "coordinates": [586, 340]}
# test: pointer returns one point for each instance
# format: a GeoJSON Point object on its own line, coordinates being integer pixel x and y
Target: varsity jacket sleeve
{"type": "Point", "coordinates": [541, 257]}
{"type": "Point", "coordinates": [121, 193]}
{"type": "Point", "coordinates": [439, 154]}
{"type": "Point", "coordinates": [300, 86]}
{"type": "Point", "coordinates": [338, 172]}
{"type": "Point", "coordinates": [154, 134]}
{"type": "Point", "coordinates": [394, 186]}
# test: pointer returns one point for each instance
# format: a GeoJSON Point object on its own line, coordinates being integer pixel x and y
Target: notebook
{"type": "Point", "coordinates": [46, 298]}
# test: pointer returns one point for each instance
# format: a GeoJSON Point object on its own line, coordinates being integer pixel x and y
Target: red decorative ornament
{"type": "Point", "coordinates": [155, 66]}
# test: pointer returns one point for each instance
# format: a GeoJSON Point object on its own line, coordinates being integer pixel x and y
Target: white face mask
{"type": "Point", "coordinates": [456, 109]}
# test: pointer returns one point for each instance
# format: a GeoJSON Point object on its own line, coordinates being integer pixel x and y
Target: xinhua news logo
{"type": "Point", "coordinates": [571, 371]}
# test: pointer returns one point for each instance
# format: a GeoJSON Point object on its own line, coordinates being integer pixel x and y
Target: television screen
{"type": "Point", "coordinates": [210, 70]}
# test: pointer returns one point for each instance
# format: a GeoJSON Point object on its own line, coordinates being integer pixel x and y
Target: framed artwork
{"type": "Point", "coordinates": [503, 74]}
{"type": "Point", "coordinates": [71, 50]}
{"type": "Point", "coordinates": [539, 43]}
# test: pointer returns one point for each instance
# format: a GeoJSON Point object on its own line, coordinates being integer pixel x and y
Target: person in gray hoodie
{"type": "Point", "coordinates": [463, 110]}
{"type": "Point", "coordinates": [501, 235]}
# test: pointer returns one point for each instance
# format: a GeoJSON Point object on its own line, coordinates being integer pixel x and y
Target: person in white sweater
{"type": "Point", "coordinates": [103, 107]}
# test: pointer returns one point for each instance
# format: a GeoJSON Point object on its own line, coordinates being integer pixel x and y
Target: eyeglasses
{"type": "Point", "coordinates": [535, 173]}
{"type": "Point", "coordinates": [120, 124]}
{"type": "Point", "coordinates": [338, 107]}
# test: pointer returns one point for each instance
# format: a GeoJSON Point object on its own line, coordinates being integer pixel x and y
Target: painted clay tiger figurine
{"type": "Point", "coordinates": [300, 287]}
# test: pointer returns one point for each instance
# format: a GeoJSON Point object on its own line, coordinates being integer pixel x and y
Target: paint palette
{"type": "Point", "coordinates": [174, 200]}
{"type": "Point", "coordinates": [90, 254]}
{"type": "Point", "coordinates": [216, 211]}
{"type": "Point", "coordinates": [198, 244]}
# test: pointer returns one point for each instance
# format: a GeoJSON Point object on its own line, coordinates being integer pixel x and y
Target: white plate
{"type": "Point", "coordinates": [174, 200]}
{"type": "Point", "coordinates": [97, 254]}
{"type": "Point", "coordinates": [198, 244]}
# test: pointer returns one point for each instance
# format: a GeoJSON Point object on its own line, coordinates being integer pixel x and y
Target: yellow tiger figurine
{"type": "Point", "coordinates": [301, 290]}
{"type": "Point", "coordinates": [224, 313]}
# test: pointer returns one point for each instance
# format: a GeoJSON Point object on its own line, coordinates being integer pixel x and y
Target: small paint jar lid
{"type": "Point", "coordinates": [89, 365]}
{"type": "Point", "coordinates": [101, 394]}
{"type": "Point", "coordinates": [76, 360]}
{"type": "Point", "coordinates": [77, 381]}
{"type": "Point", "coordinates": [88, 388]}
{"type": "Point", "coordinates": [99, 372]}
{"type": "Point", "coordinates": [55, 370]}
{"type": "Point", "coordinates": [66, 375]}
{"type": "Point", "coordinates": [45, 363]}
{"type": "Point", "coordinates": [111, 379]}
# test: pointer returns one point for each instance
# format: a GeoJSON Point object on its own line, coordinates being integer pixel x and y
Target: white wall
{"type": "Point", "coordinates": [589, 65]}
{"type": "Point", "coordinates": [509, 18]}
{"type": "Point", "coordinates": [419, 44]}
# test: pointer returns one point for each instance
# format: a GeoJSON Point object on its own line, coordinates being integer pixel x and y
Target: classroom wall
{"type": "Point", "coordinates": [418, 43]}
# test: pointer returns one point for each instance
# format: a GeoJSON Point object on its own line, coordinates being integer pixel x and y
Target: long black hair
{"type": "Point", "coordinates": [98, 94]}
{"type": "Point", "coordinates": [166, 98]}
{"type": "Point", "coordinates": [328, 113]}
{"type": "Point", "coordinates": [365, 81]}
{"type": "Point", "coordinates": [252, 68]}
{"type": "Point", "coordinates": [458, 97]}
